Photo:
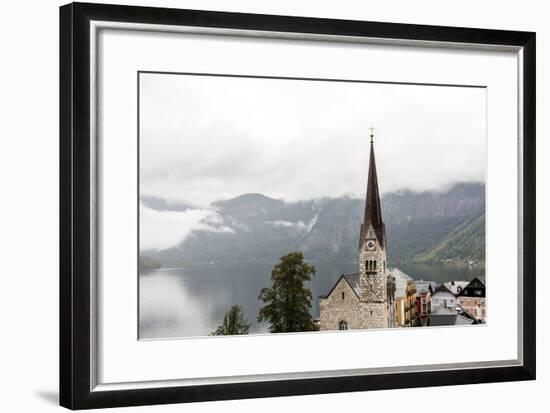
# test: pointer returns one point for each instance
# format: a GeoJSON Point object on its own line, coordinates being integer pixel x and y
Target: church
{"type": "Point", "coordinates": [365, 299]}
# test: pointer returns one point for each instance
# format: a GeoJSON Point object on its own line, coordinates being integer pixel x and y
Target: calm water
{"type": "Point", "coordinates": [191, 301]}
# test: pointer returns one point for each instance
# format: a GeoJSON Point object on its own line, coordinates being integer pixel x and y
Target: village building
{"type": "Point", "coordinates": [443, 297]}
{"type": "Point", "coordinates": [426, 285]}
{"type": "Point", "coordinates": [424, 290]}
{"type": "Point", "coordinates": [365, 299]}
{"type": "Point", "coordinates": [456, 286]}
{"type": "Point", "coordinates": [472, 299]}
{"type": "Point", "coordinates": [443, 316]}
{"type": "Point", "coordinates": [405, 298]}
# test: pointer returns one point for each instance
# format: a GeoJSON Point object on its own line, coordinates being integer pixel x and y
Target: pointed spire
{"type": "Point", "coordinates": [373, 211]}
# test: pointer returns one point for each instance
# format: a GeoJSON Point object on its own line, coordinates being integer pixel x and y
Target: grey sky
{"type": "Point", "coordinates": [208, 138]}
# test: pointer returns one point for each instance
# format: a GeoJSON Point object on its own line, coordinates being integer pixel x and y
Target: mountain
{"type": "Point", "coordinates": [443, 226]}
{"type": "Point", "coordinates": [417, 222]}
{"type": "Point", "coordinates": [464, 244]}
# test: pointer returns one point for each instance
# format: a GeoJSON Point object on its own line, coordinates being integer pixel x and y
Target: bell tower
{"type": "Point", "coordinates": [372, 252]}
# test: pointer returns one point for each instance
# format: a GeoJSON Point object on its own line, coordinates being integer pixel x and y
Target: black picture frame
{"type": "Point", "coordinates": [75, 219]}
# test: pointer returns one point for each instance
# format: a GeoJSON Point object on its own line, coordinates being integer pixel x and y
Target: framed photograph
{"type": "Point", "coordinates": [258, 206]}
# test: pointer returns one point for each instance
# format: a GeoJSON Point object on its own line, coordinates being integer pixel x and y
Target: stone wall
{"type": "Point", "coordinates": [375, 306]}
{"type": "Point", "coordinates": [336, 308]}
{"type": "Point", "coordinates": [372, 270]}
{"type": "Point", "coordinates": [348, 308]}
{"type": "Point", "coordinates": [376, 315]}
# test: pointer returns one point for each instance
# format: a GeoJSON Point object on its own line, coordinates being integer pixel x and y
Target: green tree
{"type": "Point", "coordinates": [147, 263]}
{"type": "Point", "coordinates": [287, 302]}
{"type": "Point", "coordinates": [233, 323]}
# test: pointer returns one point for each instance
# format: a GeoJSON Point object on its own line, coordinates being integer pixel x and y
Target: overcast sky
{"type": "Point", "coordinates": [208, 138]}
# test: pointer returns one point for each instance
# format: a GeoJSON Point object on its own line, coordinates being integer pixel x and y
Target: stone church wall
{"type": "Point", "coordinates": [348, 308]}
{"type": "Point", "coordinates": [336, 308]}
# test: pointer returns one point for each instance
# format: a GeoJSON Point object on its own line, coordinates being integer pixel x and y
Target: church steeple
{"type": "Point", "coordinates": [376, 290]}
{"type": "Point", "coordinates": [373, 211]}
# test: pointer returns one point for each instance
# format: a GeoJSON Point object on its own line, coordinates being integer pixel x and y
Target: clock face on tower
{"type": "Point", "coordinates": [370, 244]}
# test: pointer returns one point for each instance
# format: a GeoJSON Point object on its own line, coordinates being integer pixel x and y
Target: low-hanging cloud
{"type": "Point", "coordinates": [298, 226]}
{"type": "Point", "coordinates": [204, 139]}
{"type": "Point", "coordinates": [165, 229]}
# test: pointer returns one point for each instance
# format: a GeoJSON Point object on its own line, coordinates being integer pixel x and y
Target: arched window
{"type": "Point", "coordinates": [374, 264]}
{"type": "Point", "coordinates": [343, 295]}
{"type": "Point", "coordinates": [342, 325]}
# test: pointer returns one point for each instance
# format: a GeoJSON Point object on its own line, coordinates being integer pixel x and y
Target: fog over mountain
{"type": "Point", "coordinates": [208, 138]}
{"type": "Point", "coordinates": [430, 226]}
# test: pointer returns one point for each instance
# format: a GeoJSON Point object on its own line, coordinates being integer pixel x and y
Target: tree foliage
{"type": "Point", "coordinates": [287, 303]}
{"type": "Point", "coordinates": [233, 323]}
{"type": "Point", "coordinates": [147, 263]}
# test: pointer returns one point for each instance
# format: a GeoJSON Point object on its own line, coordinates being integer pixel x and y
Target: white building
{"type": "Point", "coordinates": [443, 297]}
{"type": "Point", "coordinates": [456, 286]}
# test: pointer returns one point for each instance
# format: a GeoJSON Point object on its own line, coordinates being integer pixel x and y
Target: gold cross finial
{"type": "Point", "coordinates": [371, 134]}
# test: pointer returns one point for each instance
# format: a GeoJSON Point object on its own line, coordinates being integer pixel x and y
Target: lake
{"type": "Point", "coordinates": [191, 301]}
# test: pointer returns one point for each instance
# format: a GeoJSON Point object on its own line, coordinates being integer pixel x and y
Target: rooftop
{"type": "Point", "coordinates": [351, 278]}
{"type": "Point", "coordinates": [423, 286]}
{"type": "Point", "coordinates": [442, 288]}
{"type": "Point", "coordinates": [456, 286]}
{"type": "Point", "coordinates": [476, 288]}
{"type": "Point", "coordinates": [401, 281]}
{"type": "Point", "coordinates": [442, 316]}
{"type": "Point", "coordinates": [353, 281]}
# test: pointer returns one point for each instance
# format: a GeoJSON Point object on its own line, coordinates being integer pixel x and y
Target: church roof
{"type": "Point", "coordinates": [353, 281]}
{"type": "Point", "coordinates": [351, 278]}
{"type": "Point", "coordinates": [373, 211]}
